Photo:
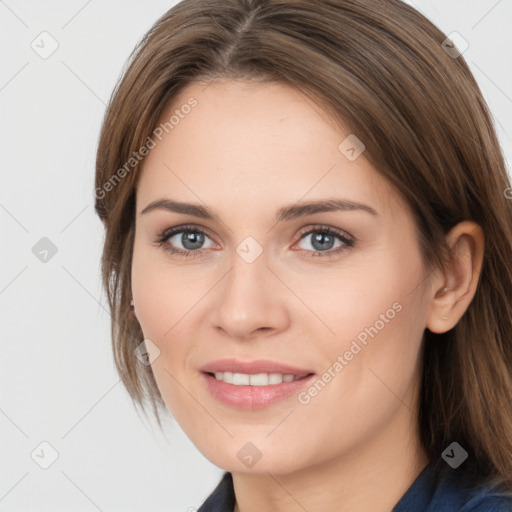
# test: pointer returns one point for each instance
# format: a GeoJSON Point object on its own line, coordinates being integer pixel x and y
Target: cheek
{"type": "Point", "coordinates": [164, 294]}
{"type": "Point", "coordinates": [374, 381]}
{"type": "Point", "coordinates": [377, 314]}
{"type": "Point", "coordinates": [161, 305]}
{"type": "Point", "coordinates": [366, 291]}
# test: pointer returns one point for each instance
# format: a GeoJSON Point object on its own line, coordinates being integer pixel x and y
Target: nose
{"type": "Point", "coordinates": [251, 300]}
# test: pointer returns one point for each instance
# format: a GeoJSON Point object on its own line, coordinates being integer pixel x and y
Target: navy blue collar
{"type": "Point", "coordinates": [438, 488]}
{"type": "Point", "coordinates": [222, 499]}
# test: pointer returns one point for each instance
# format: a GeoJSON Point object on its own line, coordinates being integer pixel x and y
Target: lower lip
{"type": "Point", "coordinates": [253, 397]}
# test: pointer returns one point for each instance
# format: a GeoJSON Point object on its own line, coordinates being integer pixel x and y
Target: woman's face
{"type": "Point", "coordinates": [348, 306]}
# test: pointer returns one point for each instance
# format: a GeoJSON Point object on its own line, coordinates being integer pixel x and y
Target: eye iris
{"type": "Point", "coordinates": [321, 237]}
{"type": "Point", "coordinates": [197, 240]}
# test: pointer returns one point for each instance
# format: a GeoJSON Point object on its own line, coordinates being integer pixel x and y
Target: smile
{"type": "Point", "coordinates": [254, 391]}
{"type": "Point", "coordinates": [258, 379]}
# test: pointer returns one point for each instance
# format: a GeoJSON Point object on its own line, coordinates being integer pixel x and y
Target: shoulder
{"type": "Point", "coordinates": [442, 489]}
{"type": "Point", "coordinates": [488, 502]}
{"type": "Point", "coordinates": [472, 497]}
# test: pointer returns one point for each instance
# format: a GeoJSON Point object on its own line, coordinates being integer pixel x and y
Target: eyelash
{"type": "Point", "coordinates": [168, 233]}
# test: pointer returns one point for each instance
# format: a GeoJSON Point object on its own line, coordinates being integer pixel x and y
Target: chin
{"type": "Point", "coordinates": [249, 459]}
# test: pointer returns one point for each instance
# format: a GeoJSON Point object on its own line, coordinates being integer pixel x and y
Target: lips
{"type": "Point", "coordinates": [257, 395]}
{"type": "Point", "coordinates": [254, 367]}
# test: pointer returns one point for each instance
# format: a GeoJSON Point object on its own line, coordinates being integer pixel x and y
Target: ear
{"type": "Point", "coordinates": [453, 290]}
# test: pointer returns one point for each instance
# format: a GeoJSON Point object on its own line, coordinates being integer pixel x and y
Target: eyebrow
{"type": "Point", "coordinates": [285, 213]}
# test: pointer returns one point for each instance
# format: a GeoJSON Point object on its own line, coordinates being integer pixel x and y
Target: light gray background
{"type": "Point", "coordinates": [58, 382]}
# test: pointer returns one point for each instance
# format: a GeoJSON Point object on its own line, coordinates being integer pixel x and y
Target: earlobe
{"type": "Point", "coordinates": [454, 289]}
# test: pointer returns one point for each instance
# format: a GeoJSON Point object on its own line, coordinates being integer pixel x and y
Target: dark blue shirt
{"type": "Point", "coordinates": [446, 491]}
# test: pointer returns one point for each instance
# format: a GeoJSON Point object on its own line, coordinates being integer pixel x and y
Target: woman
{"type": "Point", "coordinates": [307, 255]}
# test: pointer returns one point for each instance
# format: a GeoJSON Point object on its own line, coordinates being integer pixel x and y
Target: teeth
{"type": "Point", "coordinates": [275, 378]}
{"type": "Point", "coordinates": [241, 379]}
{"type": "Point", "coordinates": [258, 379]}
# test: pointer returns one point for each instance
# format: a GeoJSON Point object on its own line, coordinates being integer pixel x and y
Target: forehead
{"type": "Point", "coordinates": [252, 140]}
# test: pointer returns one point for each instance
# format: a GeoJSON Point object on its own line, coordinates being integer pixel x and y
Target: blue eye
{"type": "Point", "coordinates": [192, 239]}
{"type": "Point", "coordinates": [324, 238]}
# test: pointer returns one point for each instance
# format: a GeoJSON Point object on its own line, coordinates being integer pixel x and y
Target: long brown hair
{"type": "Point", "coordinates": [382, 70]}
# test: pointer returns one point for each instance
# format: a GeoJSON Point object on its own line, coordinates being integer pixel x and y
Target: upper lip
{"type": "Point", "coordinates": [253, 367]}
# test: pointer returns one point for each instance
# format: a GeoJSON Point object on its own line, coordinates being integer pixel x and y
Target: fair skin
{"type": "Point", "coordinates": [245, 151]}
